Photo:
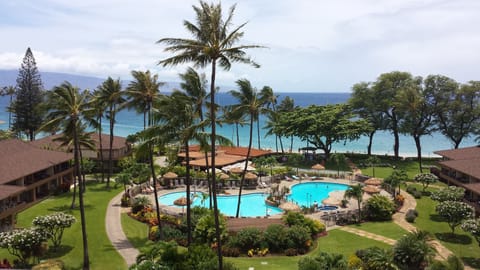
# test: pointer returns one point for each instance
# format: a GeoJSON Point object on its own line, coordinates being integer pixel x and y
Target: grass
{"type": "Point", "coordinates": [101, 252]}
{"type": "Point", "coordinates": [335, 242]}
{"type": "Point", "coordinates": [136, 232]}
{"type": "Point", "coordinates": [462, 244]}
{"type": "Point", "coordinates": [388, 229]}
{"type": "Point", "coordinates": [411, 167]}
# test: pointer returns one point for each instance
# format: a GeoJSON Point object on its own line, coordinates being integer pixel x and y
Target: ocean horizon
{"type": "Point", "coordinates": [129, 122]}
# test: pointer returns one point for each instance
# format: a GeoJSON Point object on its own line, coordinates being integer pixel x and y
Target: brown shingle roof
{"type": "Point", "coordinates": [220, 160]}
{"type": "Point", "coordinates": [18, 159]}
{"type": "Point", "coordinates": [9, 190]}
{"type": "Point", "coordinates": [242, 151]}
{"type": "Point", "coordinates": [461, 153]}
{"type": "Point", "coordinates": [49, 142]}
{"type": "Point", "coordinates": [468, 166]}
{"type": "Point", "coordinates": [475, 187]}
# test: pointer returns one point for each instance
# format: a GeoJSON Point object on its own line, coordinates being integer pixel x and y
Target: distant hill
{"type": "Point", "coordinates": [51, 79]}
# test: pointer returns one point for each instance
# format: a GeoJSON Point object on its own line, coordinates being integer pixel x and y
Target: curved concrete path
{"type": "Point", "coordinates": [113, 225]}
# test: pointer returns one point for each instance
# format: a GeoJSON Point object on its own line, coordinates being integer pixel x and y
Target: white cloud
{"type": "Point", "coordinates": [313, 45]}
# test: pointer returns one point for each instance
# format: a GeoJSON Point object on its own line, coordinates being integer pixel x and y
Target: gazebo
{"type": "Point", "coordinates": [167, 177]}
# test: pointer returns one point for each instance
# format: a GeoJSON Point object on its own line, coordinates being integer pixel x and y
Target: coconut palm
{"type": "Point", "coordinates": [212, 43]}
{"type": "Point", "coordinates": [9, 91]}
{"type": "Point", "coordinates": [66, 110]}
{"type": "Point", "coordinates": [111, 94]}
{"type": "Point", "coordinates": [142, 92]}
{"type": "Point", "coordinates": [99, 108]}
{"type": "Point", "coordinates": [287, 105]}
{"type": "Point", "coordinates": [249, 103]}
{"type": "Point", "coordinates": [270, 101]}
{"type": "Point", "coordinates": [233, 117]}
{"type": "Point", "coordinates": [356, 192]}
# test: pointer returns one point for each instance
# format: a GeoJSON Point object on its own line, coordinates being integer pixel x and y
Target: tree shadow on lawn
{"type": "Point", "coordinates": [61, 251]}
{"type": "Point", "coordinates": [454, 238]}
{"type": "Point", "coordinates": [472, 262]}
{"type": "Point", "coordinates": [66, 208]}
{"type": "Point", "coordinates": [436, 218]}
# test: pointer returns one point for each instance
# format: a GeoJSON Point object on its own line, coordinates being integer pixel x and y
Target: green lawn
{"type": "Point", "coordinates": [388, 229]}
{"type": "Point", "coordinates": [462, 243]}
{"type": "Point", "coordinates": [136, 232]}
{"type": "Point", "coordinates": [101, 252]}
{"type": "Point", "coordinates": [336, 241]}
{"type": "Point", "coordinates": [411, 167]}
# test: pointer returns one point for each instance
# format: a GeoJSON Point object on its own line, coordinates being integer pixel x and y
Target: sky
{"type": "Point", "coordinates": [311, 45]}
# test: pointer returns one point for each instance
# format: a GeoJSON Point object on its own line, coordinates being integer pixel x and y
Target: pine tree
{"type": "Point", "coordinates": [27, 106]}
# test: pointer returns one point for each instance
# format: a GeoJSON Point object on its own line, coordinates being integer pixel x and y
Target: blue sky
{"type": "Point", "coordinates": [313, 45]}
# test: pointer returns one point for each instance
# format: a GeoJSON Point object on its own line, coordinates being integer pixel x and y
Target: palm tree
{"type": "Point", "coordinates": [413, 251]}
{"type": "Point", "coordinates": [395, 179]}
{"type": "Point", "coordinates": [212, 43]}
{"type": "Point", "coordinates": [235, 117]}
{"type": "Point", "coordinates": [66, 110]}
{"type": "Point", "coordinates": [249, 103]}
{"type": "Point", "coordinates": [356, 192]}
{"type": "Point", "coordinates": [287, 105]}
{"type": "Point", "coordinates": [143, 91]}
{"type": "Point", "coordinates": [269, 99]}
{"type": "Point", "coordinates": [99, 107]}
{"type": "Point", "coordinates": [338, 158]}
{"type": "Point", "coordinates": [9, 91]}
{"type": "Point", "coordinates": [111, 94]}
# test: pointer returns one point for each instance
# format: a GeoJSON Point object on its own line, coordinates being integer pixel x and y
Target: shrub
{"type": "Point", "coordinates": [249, 238]}
{"type": "Point", "coordinates": [323, 261]}
{"type": "Point", "coordinates": [380, 208]}
{"type": "Point", "coordinates": [52, 264]}
{"type": "Point", "coordinates": [24, 244]}
{"type": "Point", "coordinates": [411, 215]}
{"type": "Point", "coordinates": [454, 212]}
{"type": "Point", "coordinates": [417, 194]}
{"type": "Point", "coordinates": [139, 203]}
{"type": "Point", "coordinates": [205, 229]}
{"type": "Point", "coordinates": [228, 251]}
{"type": "Point", "coordinates": [451, 193]}
{"type": "Point", "coordinates": [291, 252]}
{"type": "Point", "coordinates": [275, 237]}
{"type": "Point", "coordinates": [410, 189]}
{"type": "Point", "coordinates": [54, 224]}
{"type": "Point", "coordinates": [298, 237]}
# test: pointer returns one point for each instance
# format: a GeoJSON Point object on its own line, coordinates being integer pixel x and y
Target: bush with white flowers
{"type": "Point", "coordinates": [24, 243]}
{"type": "Point", "coordinates": [454, 212]}
{"type": "Point", "coordinates": [472, 226]}
{"type": "Point", "coordinates": [55, 224]}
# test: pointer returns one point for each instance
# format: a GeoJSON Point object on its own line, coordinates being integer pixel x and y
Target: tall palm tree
{"type": "Point", "coordinates": [66, 110]}
{"type": "Point", "coordinates": [356, 192]}
{"type": "Point", "coordinates": [212, 43]}
{"type": "Point", "coordinates": [142, 92]}
{"type": "Point", "coordinates": [111, 94]}
{"type": "Point", "coordinates": [249, 103]}
{"type": "Point", "coordinates": [287, 105]}
{"type": "Point", "coordinates": [9, 91]}
{"type": "Point", "coordinates": [269, 99]}
{"type": "Point", "coordinates": [234, 117]}
{"type": "Point", "coordinates": [99, 108]}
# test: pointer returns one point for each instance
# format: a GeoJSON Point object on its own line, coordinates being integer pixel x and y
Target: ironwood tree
{"type": "Point", "coordinates": [27, 109]}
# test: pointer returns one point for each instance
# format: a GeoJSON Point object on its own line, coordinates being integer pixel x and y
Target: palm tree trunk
{"type": "Point", "coordinates": [258, 133]}
{"type": "Point", "coordinates": [281, 144]}
{"type": "Point", "coordinates": [83, 189]}
{"type": "Point", "coordinates": [155, 193]}
{"type": "Point", "coordinates": [245, 168]}
{"type": "Point", "coordinates": [72, 206]}
{"type": "Point", "coordinates": [101, 148]}
{"type": "Point", "coordinates": [396, 145]}
{"type": "Point", "coordinates": [238, 136]}
{"type": "Point", "coordinates": [187, 179]}
{"type": "Point", "coordinates": [86, 263]}
{"type": "Point", "coordinates": [359, 209]}
{"type": "Point", "coordinates": [110, 160]}
{"type": "Point", "coordinates": [10, 113]}
{"type": "Point", "coordinates": [291, 144]}
{"type": "Point", "coordinates": [214, 182]}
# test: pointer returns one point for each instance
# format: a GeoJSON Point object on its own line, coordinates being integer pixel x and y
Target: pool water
{"type": "Point", "coordinates": [252, 205]}
{"type": "Point", "coordinates": [306, 194]}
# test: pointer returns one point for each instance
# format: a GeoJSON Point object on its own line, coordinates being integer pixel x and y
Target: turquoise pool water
{"type": "Point", "coordinates": [253, 204]}
{"type": "Point", "coordinates": [306, 194]}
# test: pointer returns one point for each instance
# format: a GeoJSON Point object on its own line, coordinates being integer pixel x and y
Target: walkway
{"type": "Point", "coordinates": [113, 225]}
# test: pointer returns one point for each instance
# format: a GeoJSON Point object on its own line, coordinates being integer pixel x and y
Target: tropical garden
{"type": "Point", "coordinates": [397, 101]}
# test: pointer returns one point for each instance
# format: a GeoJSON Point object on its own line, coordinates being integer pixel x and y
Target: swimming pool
{"type": "Point", "coordinates": [306, 194]}
{"type": "Point", "coordinates": [253, 204]}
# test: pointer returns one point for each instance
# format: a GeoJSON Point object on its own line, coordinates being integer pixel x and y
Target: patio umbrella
{"type": "Point", "coordinates": [289, 206]}
{"type": "Point", "coordinates": [250, 176]}
{"type": "Point", "coordinates": [169, 176]}
{"type": "Point", "coordinates": [318, 166]}
{"type": "Point", "coordinates": [371, 189]}
{"type": "Point", "coordinates": [373, 181]}
{"type": "Point", "coordinates": [236, 170]}
{"type": "Point", "coordinates": [223, 176]}
{"type": "Point", "coordinates": [332, 201]}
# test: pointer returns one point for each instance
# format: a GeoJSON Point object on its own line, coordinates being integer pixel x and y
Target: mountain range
{"type": "Point", "coordinates": [51, 79]}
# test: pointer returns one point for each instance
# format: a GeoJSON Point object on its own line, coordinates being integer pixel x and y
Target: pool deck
{"type": "Point", "coordinates": [334, 196]}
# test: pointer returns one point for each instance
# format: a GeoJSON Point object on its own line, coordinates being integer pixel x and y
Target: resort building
{"type": "Point", "coordinates": [121, 148]}
{"type": "Point", "coordinates": [29, 174]}
{"type": "Point", "coordinates": [224, 156]}
{"type": "Point", "coordinates": [461, 167]}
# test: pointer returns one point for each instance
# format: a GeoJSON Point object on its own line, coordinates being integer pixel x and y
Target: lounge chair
{"type": "Point", "coordinates": [295, 177]}
{"type": "Point", "coordinates": [288, 178]}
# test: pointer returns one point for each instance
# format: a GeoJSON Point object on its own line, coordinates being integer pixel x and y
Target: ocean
{"type": "Point", "coordinates": [128, 122]}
